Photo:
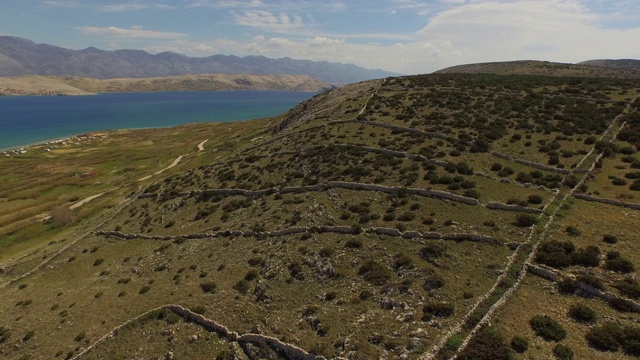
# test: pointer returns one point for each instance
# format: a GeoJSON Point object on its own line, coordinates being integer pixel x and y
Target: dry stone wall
{"type": "Point", "coordinates": [614, 202]}
{"type": "Point", "coordinates": [289, 351]}
{"type": "Point", "coordinates": [346, 230]}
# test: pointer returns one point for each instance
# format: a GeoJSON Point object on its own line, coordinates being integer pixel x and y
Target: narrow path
{"type": "Point", "coordinates": [86, 200]}
{"type": "Point", "coordinates": [201, 145]}
{"type": "Point", "coordinates": [174, 163]}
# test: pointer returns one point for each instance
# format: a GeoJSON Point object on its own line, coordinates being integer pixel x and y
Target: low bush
{"type": "Point", "coordinates": [353, 244]}
{"type": "Point", "coordinates": [432, 251]}
{"type": "Point", "coordinates": [433, 281]}
{"type": "Point", "coordinates": [605, 337]}
{"type": "Point", "coordinates": [208, 287]}
{"type": "Point", "coordinates": [582, 313]}
{"type": "Point", "coordinates": [610, 239]}
{"type": "Point", "coordinates": [555, 253]}
{"type": "Point", "coordinates": [251, 274]}
{"type": "Point", "coordinates": [588, 256]}
{"type": "Point", "coordinates": [526, 220]}
{"type": "Point", "coordinates": [374, 273]}
{"type": "Point", "coordinates": [535, 199]}
{"type": "Point", "coordinates": [629, 287]}
{"type": "Point", "coordinates": [547, 328]}
{"type": "Point", "coordinates": [440, 310]}
{"type": "Point", "coordinates": [519, 344]}
{"type": "Point", "coordinates": [486, 345]}
{"type": "Point", "coordinates": [562, 352]}
{"type": "Point", "coordinates": [615, 262]}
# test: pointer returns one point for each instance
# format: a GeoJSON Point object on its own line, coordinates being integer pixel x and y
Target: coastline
{"type": "Point", "coordinates": [36, 121]}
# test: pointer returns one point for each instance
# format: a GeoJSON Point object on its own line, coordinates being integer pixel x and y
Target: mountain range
{"type": "Point", "coordinates": [20, 57]}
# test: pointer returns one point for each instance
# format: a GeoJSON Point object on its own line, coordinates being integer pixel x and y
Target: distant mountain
{"type": "Point", "coordinates": [630, 64]}
{"type": "Point", "coordinates": [20, 56]}
{"type": "Point", "coordinates": [533, 67]}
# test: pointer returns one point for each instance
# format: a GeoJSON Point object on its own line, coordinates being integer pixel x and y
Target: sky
{"type": "Point", "coordinates": [404, 36]}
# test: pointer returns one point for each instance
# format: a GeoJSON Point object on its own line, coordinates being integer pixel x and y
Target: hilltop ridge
{"type": "Point", "coordinates": [593, 68]}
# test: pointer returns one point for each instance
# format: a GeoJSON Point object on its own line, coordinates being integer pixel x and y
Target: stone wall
{"type": "Point", "coordinates": [347, 230]}
{"type": "Point", "coordinates": [289, 351]}
{"type": "Point", "coordinates": [614, 202]}
{"type": "Point", "coordinates": [500, 206]}
{"type": "Point", "coordinates": [530, 163]}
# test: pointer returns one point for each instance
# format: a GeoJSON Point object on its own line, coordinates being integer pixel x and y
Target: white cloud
{"type": "Point", "coordinates": [324, 41]}
{"type": "Point", "coordinates": [556, 30]}
{"type": "Point", "coordinates": [134, 32]}
{"type": "Point", "coordinates": [266, 20]}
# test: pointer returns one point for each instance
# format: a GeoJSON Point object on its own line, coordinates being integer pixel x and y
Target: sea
{"type": "Point", "coordinates": [26, 120]}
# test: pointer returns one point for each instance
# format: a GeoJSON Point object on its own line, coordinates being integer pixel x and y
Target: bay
{"type": "Point", "coordinates": [33, 119]}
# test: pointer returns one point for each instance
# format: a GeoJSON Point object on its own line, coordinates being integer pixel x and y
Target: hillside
{"type": "Point", "coordinates": [421, 217]}
{"type": "Point", "coordinates": [544, 68]}
{"type": "Point", "coordinates": [50, 85]}
{"type": "Point", "coordinates": [20, 57]}
{"type": "Point", "coordinates": [629, 64]}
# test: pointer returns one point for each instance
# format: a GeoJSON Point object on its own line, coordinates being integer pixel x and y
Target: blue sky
{"type": "Point", "coordinates": [405, 36]}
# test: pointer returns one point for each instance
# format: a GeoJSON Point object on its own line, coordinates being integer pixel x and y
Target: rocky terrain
{"type": "Point", "coordinates": [54, 86]}
{"type": "Point", "coordinates": [445, 216]}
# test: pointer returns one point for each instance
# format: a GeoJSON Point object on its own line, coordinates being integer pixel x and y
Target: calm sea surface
{"type": "Point", "coordinates": [32, 119]}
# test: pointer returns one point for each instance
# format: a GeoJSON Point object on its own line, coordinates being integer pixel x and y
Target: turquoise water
{"type": "Point", "coordinates": [32, 119]}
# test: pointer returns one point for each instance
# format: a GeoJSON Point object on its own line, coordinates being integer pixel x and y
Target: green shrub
{"type": "Point", "coordinates": [615, 262]}
{"type": "Point", "coordinates": [242, 286]}
{"type": "Point", "coordinates": [28, 335]}
{"type": "Point", "coordinates": [628, 287]}
{"type": "Point", "coordinates": [98, 262]}
{"type": "Point", "coordinates": [610, 239]}
{"type": "Point", "coordinates": [572, 230]}
{"type": "Point", "coordinates": [209, 287]}
{"type": "Point", "coordinates": [441, 310]}
{"type": "Point", "coordinates": [256, 261]}
{"type": "Point", "coordinates": [547, 328]}
{"type": "Point", "coordinates": [535, 199]}
{"type": "Point", "coordinates": [402, 261]}
{"type": "Point", "coordinates": [251, 274]}
{"type": "Point", "coordinates": [5, 334]}
{"type": "Point", "coordinates": [562, 352]}
{"type": "Point", "coordinates": [555, 253]}
{"type": "Point", "coordinates": [432, 251]}
{"type": "Point", "coordinates": [486, 345]}
{"type": "Point", "coordinates": [605, 337]}
{"type": "Point", "coordinates": [591, 280]}
{"type": "Point", "coordinates": [582, 313]}
{"type": "Point", "coordinates": [144, 289]}
{"type": "Point", "coordinates": [374, 273]}
{"type": "Point", "coordinates": [588, 256]}
{"type": "Point", "coordinates": [353, 244]}
{"type": "Point", "coordinates": [326, 252]}
{"type": "Point", "coordinates": [526, 220]}
{"type": "Point", "coordinates": [519, 344]}
{"type": "Point", "coordinates": [433, 281]}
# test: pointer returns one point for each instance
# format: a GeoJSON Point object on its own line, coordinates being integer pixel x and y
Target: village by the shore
{"type": "Point", "coordinates": [50, 145]}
